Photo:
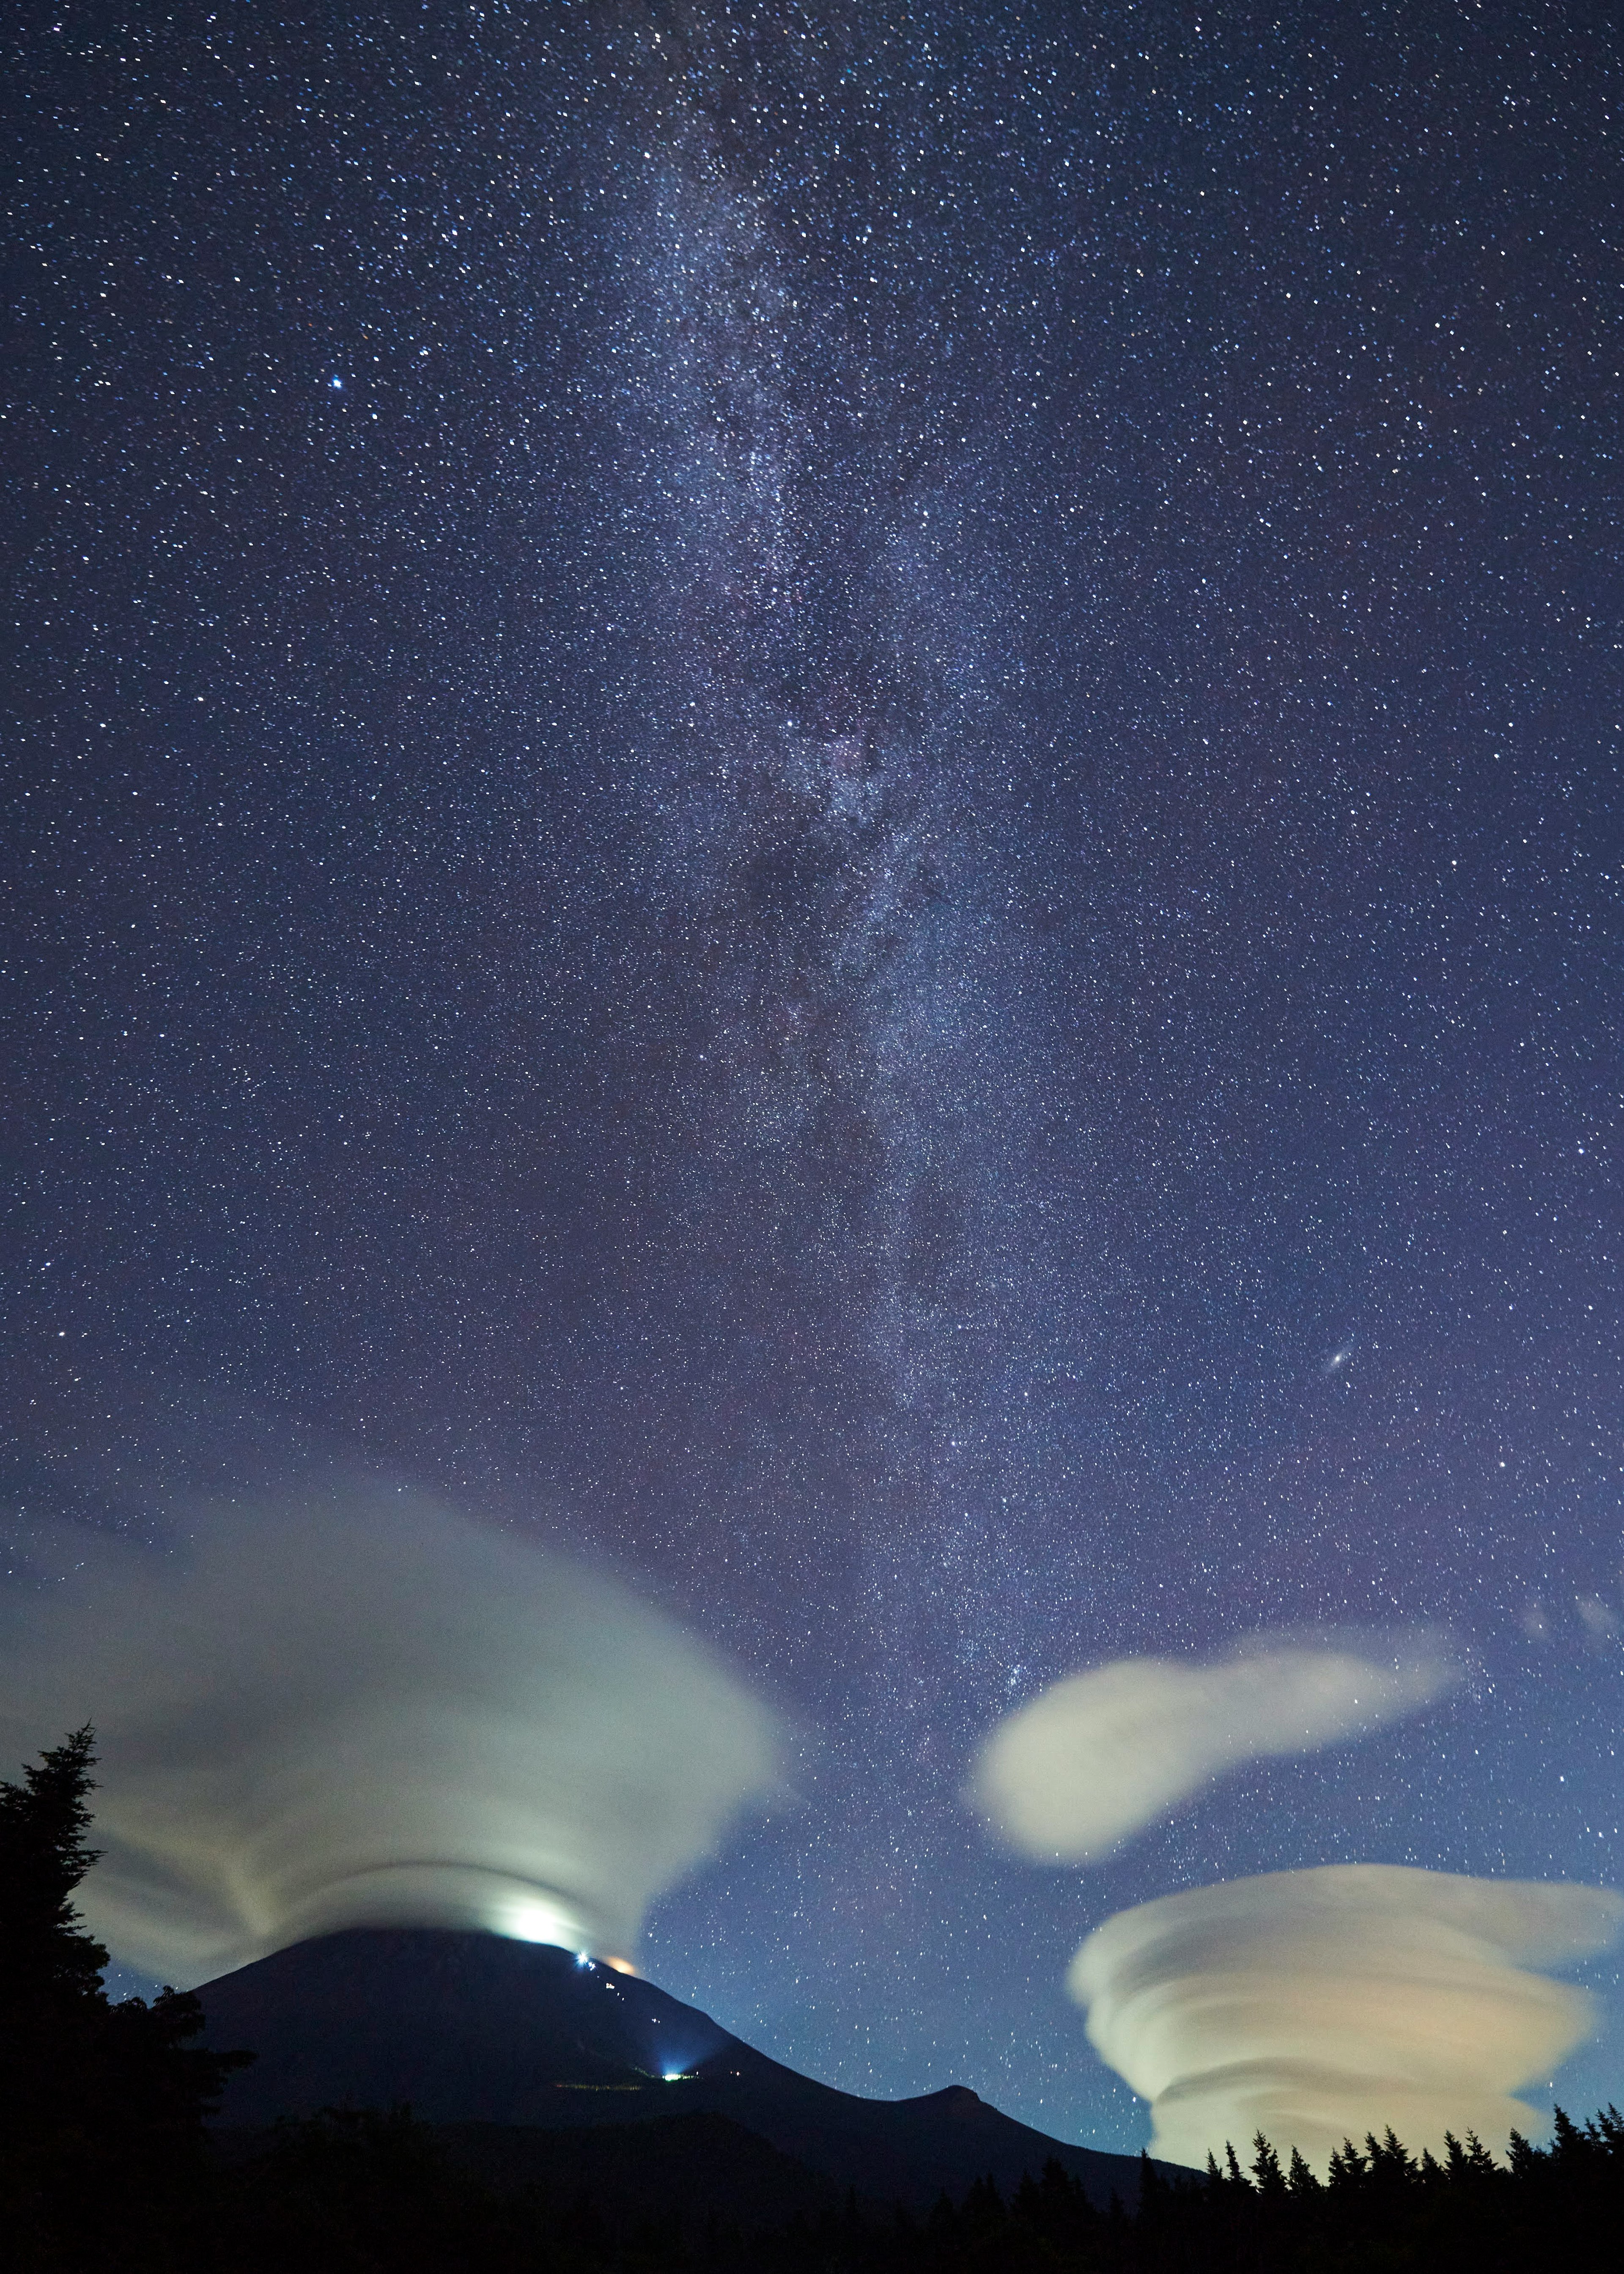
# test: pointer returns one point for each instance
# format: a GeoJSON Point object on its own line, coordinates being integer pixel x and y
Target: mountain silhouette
{"type": "Point", "coordinates": [506, 2045]}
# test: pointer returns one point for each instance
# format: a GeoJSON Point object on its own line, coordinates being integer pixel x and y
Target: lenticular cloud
{"type": "Point", "coordinates": [370, 1711]}
{"type": "Point", "coordinates": [1318, 2006]}
{"type": "Point", "coordinates": [1100, 1756]}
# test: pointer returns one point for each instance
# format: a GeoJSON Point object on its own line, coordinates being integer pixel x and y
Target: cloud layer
{"type": "Point", "coordinates": [1316, 2006]}
{"type": "Point", "coordinates": [364, 1709]}
{"type": "Point", "coordinates": [1102, 1755]}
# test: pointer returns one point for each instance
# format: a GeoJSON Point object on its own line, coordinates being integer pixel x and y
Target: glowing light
{"type": "Point", "coordinates": [622, 1966]}
{"type": "Point", "coordinates": [529, 1919]}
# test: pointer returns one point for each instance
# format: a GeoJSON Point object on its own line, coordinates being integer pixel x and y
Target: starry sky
{"type": "Point", "coordinates": [828, 795]}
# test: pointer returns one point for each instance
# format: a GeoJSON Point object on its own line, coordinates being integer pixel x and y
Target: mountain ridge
{"type": "Point", "coordinates": [473, 2030]}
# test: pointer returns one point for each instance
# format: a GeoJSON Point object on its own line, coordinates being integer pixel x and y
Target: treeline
{"type": "Point", "coordinates": [363, 2193]}
{"type": "Point", "coordinates": [107, 2165]}
{"type": "Point", "coordinates": [1380, 2209]}
{"type": "Point", "coordinates": [349, 2192]}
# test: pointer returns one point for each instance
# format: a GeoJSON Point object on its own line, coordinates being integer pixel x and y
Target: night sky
{"type": "Point", "coordinates": [828, 796]}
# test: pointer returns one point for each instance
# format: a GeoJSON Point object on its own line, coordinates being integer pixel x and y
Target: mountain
{"type": "Point", "coordinates": [478, 2032]}
{"type": "Point", "coordinates": [682, 2169]}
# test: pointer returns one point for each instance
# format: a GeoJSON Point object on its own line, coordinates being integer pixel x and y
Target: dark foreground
{"type": "Point", "coordinates": [359, 2192]}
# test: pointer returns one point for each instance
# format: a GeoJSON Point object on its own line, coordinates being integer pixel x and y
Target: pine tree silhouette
{"type": "Point", "coordinates": [1271, 2181]}
{"type": "Point", "coordinates": [101, 2107]}
{"type": "Point", "coordinates": [1300, 2177]}
{"type": "Point", "coordinates": [48, 1963]}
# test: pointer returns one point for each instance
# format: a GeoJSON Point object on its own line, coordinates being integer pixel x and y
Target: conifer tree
{"type": "Point", "coordinates": [1270, 2179]}
{"type": "Point", "coordinates": [1525, 2158]}
{"type": "Point", "coordinates": [1300, 2177]}
{"type": "Point", "coordinates": [1478, 2157]}
{"type": "Point", "coordinates": [1347, 2168]}
{"type": "Point", "coordinates": [1569, 2143]}
{"type": "Point", "coordinates": [48, 1963]}
{"type": "Point", "coordinates": [101, 2107]}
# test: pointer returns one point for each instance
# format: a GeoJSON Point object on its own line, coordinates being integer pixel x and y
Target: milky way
{"type": "Point", "coordinates": [828, 798]}
{"type": "Point", "coordinates": [822, 785]}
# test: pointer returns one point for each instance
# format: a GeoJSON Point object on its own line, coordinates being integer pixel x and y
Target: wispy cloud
{"type": "Point", "coordinates": [1316, 2006]}
{"type": "Point", "coordinates": [363, 1708]}
{"type": "Point", "coordinates": [1100, 1756]}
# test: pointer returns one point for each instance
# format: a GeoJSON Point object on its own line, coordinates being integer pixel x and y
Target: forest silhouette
{"type": "Point", "coordinates": [109, 2163]}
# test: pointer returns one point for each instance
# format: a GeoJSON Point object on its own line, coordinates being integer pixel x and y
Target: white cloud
{"type": "Point", "coordinates": [1316, 2006]}
{"type": "Point", "coordinates": [365, 1709]}
{"type": "Point", "coordinates": [1100, 1756]}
